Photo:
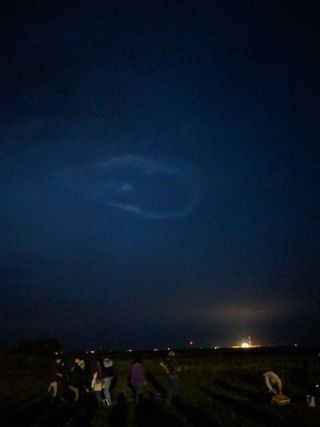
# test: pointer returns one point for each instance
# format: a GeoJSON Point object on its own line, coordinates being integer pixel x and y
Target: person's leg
{"type": "Point", "coordinates": [60, 390]}
{"type": "Point", "coordinates": [53, 388]}
{"type": "Point", "coordinates": [106, 389]}
{"type": "Point", "coordinates": [75, 391]}
{"type": "Point", "coordinates": [138, 392]}
{"type": "Point", "coordinates": [98, 396]}
{"type": "Point", "coordinates": [50, 388]}
{"type": "Point", "coordinates": [173, 387]}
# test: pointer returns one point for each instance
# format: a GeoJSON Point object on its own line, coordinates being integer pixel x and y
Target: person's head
{"type": "Point", "coordinates": [76, 360]}
{"type": "Point", "coordinates": [82, 364]}
{"type": "Point", "coordinates": [58, 360]}
{"type": "Point", "coordinates": [171, 354]}
{"type": "Point", "coordinates": [107, 363]}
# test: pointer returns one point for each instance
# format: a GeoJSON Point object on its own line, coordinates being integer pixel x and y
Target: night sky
{"type": "Point", "coordinates": [160, 169]}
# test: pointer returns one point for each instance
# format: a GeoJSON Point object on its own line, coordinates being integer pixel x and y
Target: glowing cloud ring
{"type": "Point", "coordinates": [131, 183]}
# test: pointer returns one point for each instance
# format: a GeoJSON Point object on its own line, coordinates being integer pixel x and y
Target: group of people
{"type": "Point", "coordinates": [101, 381]}
{"type": "Point", "coordinates": [81, 379]}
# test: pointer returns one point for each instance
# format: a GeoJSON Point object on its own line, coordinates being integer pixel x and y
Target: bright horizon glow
{"type": "Point", "coordinates": [247, 343]}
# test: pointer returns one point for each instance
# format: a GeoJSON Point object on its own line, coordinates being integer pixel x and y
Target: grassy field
{"type": "Point", "coordinates": [217, 388]}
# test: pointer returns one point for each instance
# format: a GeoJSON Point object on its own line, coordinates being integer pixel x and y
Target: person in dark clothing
{"type": "Point", "coordinates": [171, 367]}
{"type": "Point", "coordinates": [55, 386]}
{"type": "Point", "coordinates": [77, 378]}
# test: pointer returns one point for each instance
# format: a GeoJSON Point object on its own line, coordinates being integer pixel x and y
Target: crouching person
{"type": "Point", "coordinates": [272, 382]}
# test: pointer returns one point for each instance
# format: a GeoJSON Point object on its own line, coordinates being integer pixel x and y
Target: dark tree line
{"type": "Point", "coordinates": [41, 346]}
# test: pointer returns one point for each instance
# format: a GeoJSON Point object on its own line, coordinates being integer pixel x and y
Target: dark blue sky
{"type": "Point", "coordinates": [160, 172]}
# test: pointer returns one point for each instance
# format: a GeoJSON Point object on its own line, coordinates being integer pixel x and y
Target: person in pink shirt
{"type": "Point", "coordinates": [137, 378]}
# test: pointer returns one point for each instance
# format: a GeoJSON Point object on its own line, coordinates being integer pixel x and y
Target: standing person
{"type": "Point", "coordinates": [137, 378]}
{"type": "Point", "coordinates": [85, 377]}
{"type": "Point", "coordinates": [107, 377]}
{"type": "Point", "coordinates": [171, 367]}
{"type": "Point", "coordinates": [76, 378]}
{"type": "Point", "coordinates": [55, 385]}
{"type": "Point", "coordinates": [96, 383]}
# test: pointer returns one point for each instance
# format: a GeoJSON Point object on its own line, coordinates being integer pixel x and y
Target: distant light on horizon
{"type": "Point", "coordinates": [246, 343]}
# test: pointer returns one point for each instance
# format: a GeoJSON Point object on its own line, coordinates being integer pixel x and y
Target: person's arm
{"type": "Point", "coordinates": [268, 384]}
{"type": "Point", "coordinates": [276, 384]}
{"type": "Point", "coordinates": [163, 366]}
{"type": "Point", "coordinates": [94, 380]}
